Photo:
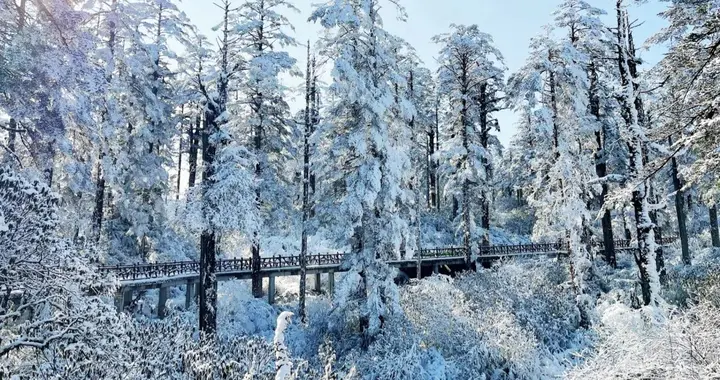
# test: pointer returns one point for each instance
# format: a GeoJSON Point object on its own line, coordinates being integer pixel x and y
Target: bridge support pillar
{"type": "Point", "coordinates": [189, 293]}
{"type": "Point", "coordinates": [331, 283]}
{"type": "Point", "coordinates": [318, 285]}
{"type": "Point", "coordinates": [271, 289]}
{"type": "Point", "coordinates": [162, 300]}
{"type": "Point", "coordinates": [196, 290]}
{"type": "Point", "coordinates": [436, 268]}
{"type": "Point", "coordinates": [123, 299]}
{"type": "Point", "coordinates": [119, 301]}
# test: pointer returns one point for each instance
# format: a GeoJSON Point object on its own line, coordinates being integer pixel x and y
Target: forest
{"type": "Point", "coordinates": [176, 205]}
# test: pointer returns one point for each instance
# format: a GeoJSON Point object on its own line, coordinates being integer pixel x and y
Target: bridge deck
{"type": "Point", "coordinates": [154, 275]}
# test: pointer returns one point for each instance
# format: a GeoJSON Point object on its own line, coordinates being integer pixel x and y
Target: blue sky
{"type": "Point", "coordinates": [511, 23]}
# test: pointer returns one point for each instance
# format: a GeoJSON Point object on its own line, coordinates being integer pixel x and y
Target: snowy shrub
{"type": "Point", "coordinates": [476, 343]}
{"type": "Point", "coordinates": [44, 281]}
{"type": "Point", "coordinates": [396, 353]}
{"type": "Point", "coordinates": [149, 349]}
{"type": "Point", "coordinates": [535, 292]}
{"type": "Point", "coordinates": [687, 284]}
{"type": "Point", "coordinates": [634, 345]}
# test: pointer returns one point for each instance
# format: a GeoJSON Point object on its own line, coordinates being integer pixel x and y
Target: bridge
{"type": "Point", "coordinates": [163, 275]}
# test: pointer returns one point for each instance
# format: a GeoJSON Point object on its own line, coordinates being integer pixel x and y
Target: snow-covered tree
{"type": "Point", "coordinates": [366, 161]}
{"type": "Point", "coordinates": [144, 122]}
{"type": "Point", "coordinates": [470, 75]}
{"type": "Point", "coordinates": [689, 103]}
{"type": "Point", "coordinates": [588, 34]}
{"type": "Point", "coordinates": [262, 35]}
{"type": "Point", "coordinates": [223, 203]}
{"type": "Point", "coordinates": [556, 91]}
{"type": "Point", "coordinates": [634, 134]}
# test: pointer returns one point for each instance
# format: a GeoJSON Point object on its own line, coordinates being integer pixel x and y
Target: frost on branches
{"type": "Point", "coordinates": [43, 280]}
{"type": "Point", "coordinates": [471, 74]}
{"type": "Point", "coordinates": [367, 166]}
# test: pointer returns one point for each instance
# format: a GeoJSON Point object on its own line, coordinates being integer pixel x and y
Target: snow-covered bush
{"type": "Point", "coordinates": [396, 353]}
{"type": "Point", "coordinates": [510, 321]}
{"type": "Point", "coordinates": [535, 292]}
{"type": "Point", "coordinates": [45, 283]}
{"type": "Point", "coordinates": [634, 345]}
{"type": "Point", "coordinates": [685, 285]}
{"type": "Point", "coordinates": [473, 346]}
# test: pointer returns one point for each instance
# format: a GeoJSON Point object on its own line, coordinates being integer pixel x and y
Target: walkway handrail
{"type": "Point", "coordinates": [176, 268]}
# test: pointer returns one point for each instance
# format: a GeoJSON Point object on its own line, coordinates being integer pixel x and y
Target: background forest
{"type": "Point", "coordinates": [127, 136]}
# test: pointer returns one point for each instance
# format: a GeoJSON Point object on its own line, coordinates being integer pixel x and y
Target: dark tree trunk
{"type": "Point", "coordinates": [680, 210]}
{"type": "Point", "coordinates": [644, 225]}
{"type": "Point", "coordinates": [484, 141]}
{"type": "Point", "coordinates": [257, 107]}
{"type": "Point", "coordinates": [714, 226]}
{"type": "Point", "coordinates": [433, 193]}
{"type": "Point", "coordinates": [12, 136]}
{"type": "Point", "coordinates": [601, 171]}
{"type": "Point", "coordinates": [306, 191]}
{"type": "Point", "coordinates": [314, 121]}
{"type": "Point", "coordinates": [465, 190]}
{"type": "Point", "coordinates": [432, 179]}
{"type": "Point", "coordinates": [659, 254]}
{"type": "Point", "coordinates": [215, 107]}
{"type": "Point", "coordinates": [208, 281]}
{"type": "Point", "coordinates": [194, 135]}
{"type": "Point", "coordinates": [208, 284]}
{"type": "Point", "coordinates": [437, 148]}
{"type": "Point", "coordinates": [99, 198]}
{"type": "Point", "coordinates": [626, 229]}
{"type": "Point", "coordinates": [180, 152]}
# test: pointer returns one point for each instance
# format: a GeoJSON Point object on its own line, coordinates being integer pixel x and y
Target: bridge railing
{"type": "Point", "coordinates": [443, 252]}
{"type": "Point", "coordinates": [151, 270]}
{"type": "Point", "coordinates": [503, 250]}
{"type": "Point", "coordinates": [175, 268]}
{"type": "Point", "coordinates": [628, 244]}
{"type": "Point", "coordinates": [233, 265]}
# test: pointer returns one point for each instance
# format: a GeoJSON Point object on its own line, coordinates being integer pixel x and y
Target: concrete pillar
{"type": "Point", "coordinates": [318, 286]}
{"type": "Point", "coordinates": [271, 289]}
{"type": "Point", "coordinates": [162, 299]}
{"type": "Point", "coordinates": [331, 283]}
{"type": "Point", "coordinates": [196, 288]}
{"type": "Point", "coordinates": [123, 299]}
{"type": "Point", "coordinates": [119, 301]}
{"type": "Point", "coordinates": [189, 293]}
{"type": "Point", "coordinates": [436, 268]}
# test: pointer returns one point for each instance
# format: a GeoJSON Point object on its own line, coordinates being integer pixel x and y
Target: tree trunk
{"type": "Point", "coordinates": [208, 284]}
{"type": "Point", "coordinates": [179, 172]}
{"type": "Point", "coordinates": [208, 280]}
{"type": "Point", "coordinates": [645, 255]}
{"type": "Point", "coordinates": [99, 198]}
{"type": "Point", "coordinates": [437, 148]}
{"type": "Point", "coordinates": [484, 140]}
{"type": "Point", "coordinates": [465, 124]}
{"type": "Point", "coordinates": [433, 193]}
{"type": "Point", "coordinates": [659, 254]}
{"type": "Point", "coordinates": [194, 134]}
{"type": "Point", "coordinates": [306, 193]}
{"type": "Point", "coordinates": [258, 109]}
{"type": "Point", "coordinates": [601, 171]}
{"type": "Point", "coordinates": [215, 107]}
{"type": "Point", "coordinates": [12, 136]}
{"type": "Point", "coordinates": [714, 227]}
{"type": "Point", "coordinates": [255, 249]}
{"type": "Point", "coordinates": [432, 184]}
{"type": "Point", "coordinates": [680, 210]}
